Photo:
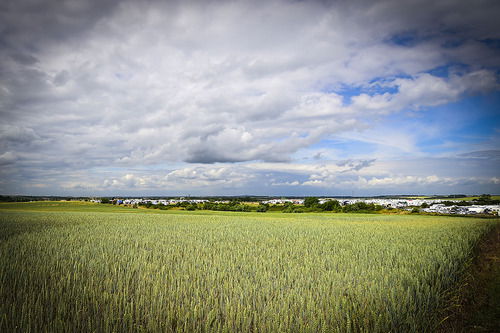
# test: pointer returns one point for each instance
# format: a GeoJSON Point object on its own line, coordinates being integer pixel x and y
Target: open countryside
{"type": "Point", "coordinates": [91, 267]}
{"type": "Point", "coordinates": [250, 166]}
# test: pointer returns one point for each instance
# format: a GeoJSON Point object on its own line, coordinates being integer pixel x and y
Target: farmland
{"type": "Point", "coordinates": [82, 267]}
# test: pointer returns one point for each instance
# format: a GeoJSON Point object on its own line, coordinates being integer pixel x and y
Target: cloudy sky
{"type": "Point", "coordinates": [249, 97]}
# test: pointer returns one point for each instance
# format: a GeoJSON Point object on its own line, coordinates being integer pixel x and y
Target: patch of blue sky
{"type": "Point", "coordinates": [453, 43]}
{"type": "Point", "coordinates": [410, 38]}
{"type": "Point", "coordinates": [345, 148]}
{"type": "Point", "coordinates": [493, 43]}
{"type": "Point", "coordinates": [405, 38]}
{"type": "Point", "coordinates": [376, 86]}
{"type": "Point", "coordinates": [479, 115]}
{"type": "Point", "coordinates": [466, 125]}
{"type": "Point", "coordinates": [454, 126]}
{"type": "Point", "coordinates": [382, 85]}
{"type": "Point", "coordinates": [445, 70]}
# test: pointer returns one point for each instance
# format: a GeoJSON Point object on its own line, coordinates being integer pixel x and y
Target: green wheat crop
{"type": "Point", "coordinates": [122, 272]}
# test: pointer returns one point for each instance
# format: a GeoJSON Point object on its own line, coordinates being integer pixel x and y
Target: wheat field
{"type": "Point", "coordinates": [91, 271]}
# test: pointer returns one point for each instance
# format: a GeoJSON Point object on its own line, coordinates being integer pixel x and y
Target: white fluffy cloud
{"type": "Point", "coordinates": [123, 84]}
{"type": "Point", "coordinates": [333, 177]}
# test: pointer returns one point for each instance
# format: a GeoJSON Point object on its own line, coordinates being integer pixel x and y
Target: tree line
{"type": "Point", "coordinates": [311, 204]}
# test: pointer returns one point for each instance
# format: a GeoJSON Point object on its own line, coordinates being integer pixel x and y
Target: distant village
{"type": "Point", "coordinates": [437, 206]}
{"type": "Point", "coordinates": [426, 205]}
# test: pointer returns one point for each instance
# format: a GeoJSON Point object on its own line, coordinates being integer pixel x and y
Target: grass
{"type": "Point", "coordinates": [94, 268]}
{"type": "Point", "coordinates": [63, 206]}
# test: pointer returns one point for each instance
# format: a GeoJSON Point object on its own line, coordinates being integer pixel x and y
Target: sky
{"type": "Point", "coordinates": [280, 98]}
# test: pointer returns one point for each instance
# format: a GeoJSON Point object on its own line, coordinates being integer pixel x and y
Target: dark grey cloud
{"type": "Point", "coordinates": [210, 156]}
{"type": "Point", "coordinates": [23, 58]}
{"type": "Point", "coordinates": [31, 25]}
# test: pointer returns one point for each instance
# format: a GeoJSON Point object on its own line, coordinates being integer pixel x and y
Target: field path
{"type": "Point", "coordinates": [477, 308]}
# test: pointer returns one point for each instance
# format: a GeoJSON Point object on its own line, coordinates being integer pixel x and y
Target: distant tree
{"type": "Point", "coordinates": [105, 200]}
{"type": "Point", "coordinates": [289, 209]}
{"type": "Point", "coordinates": [424, 205]}
{"type": "Point", "coordinates": [357, 206]}
{"type": "Point", "coordinates": [331, 206]}
{"type": "Point", "coordinates": [262, 208]}
{"type": "Point", "coordinates": [310, 202]}
{"type": "Point", "coordinates": [244, 208]}
{"type": "Point", "coordinates": [361, 207]}
{"type": "Point", "coordinates": [486, 199]}
{"type": "Point", "coordinates": [191, 207]}
{"type": "Point", "coordinates": [209, 205]}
